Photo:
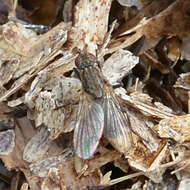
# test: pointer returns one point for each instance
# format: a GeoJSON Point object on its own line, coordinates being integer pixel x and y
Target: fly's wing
{"type": "Point", "coordinates": [116, 124]}
{"type": "Point", "coordinates": [89, 128]}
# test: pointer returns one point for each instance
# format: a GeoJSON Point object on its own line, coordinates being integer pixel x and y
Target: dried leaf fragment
{"type": "Point", "coordinates": [24, 186]}
{"type": "Point", "coordinates": [8, 69]}
{"type": "Point", "coordinates": [184, 184]}
{"type": "Point", "coordinates": [141, 159]}
{"type": "Point", "coordinates": [18, 37]}
{"type": "Point", "coordinates": [52, 181]}
{"type": "Point", "coordinates": [118, 65]}
{"type": "Point", "coordinates": [7, 142]}
{"type": "Point", "coordinates": [143, 103]}
{"type": "Point", "coordinates": [25, 42]}
{"type": "Point", "coordinates": [41, 167]}
{"type": "Point", "coordinates": [91, 19]}
{"type": "Point", "coordinates": [47, 113]}
{"type": "Point", "coordinates": [42, 52]}
{"type": "Point", "coordinates": [140, 125]}
{"type": "Point", "coordinates": [56, 103]}
{"type": "Point", "coordinates": [37, 146]}
{"type": "Point", "coordinates": [177, 128]}
{"type": "Point", "coordinates": [98, 161]}
{"type": "Point", "coordinates": [130, 3]}
{"type": "Point", "coordinates": [70, 179]}
{"type": "Point", "coordinates": [173, 20]}
{"type": "Point", "coordinates": [183, 81]}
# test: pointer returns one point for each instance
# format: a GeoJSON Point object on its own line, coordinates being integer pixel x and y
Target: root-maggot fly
{"type": "Point", "coordinates": [99, 111]}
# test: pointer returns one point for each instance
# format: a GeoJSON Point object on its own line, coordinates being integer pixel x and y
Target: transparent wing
{"type": "Point", "coordinates": [89, 128]}
{"type": "Point", "coordinates": [116, 124]}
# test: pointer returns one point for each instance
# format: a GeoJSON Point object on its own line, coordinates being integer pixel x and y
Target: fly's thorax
{"type": "Point", "coordinates": [92, 80]}
{"type": "Point", "coordinates": [90, 75]}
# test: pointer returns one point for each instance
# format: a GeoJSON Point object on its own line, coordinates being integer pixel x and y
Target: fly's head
{"type": "Point", "coordinates": [85, 60]}
{"type": "Point", "coordinates": [89, 72]}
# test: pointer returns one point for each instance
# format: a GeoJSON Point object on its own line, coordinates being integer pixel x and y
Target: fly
{"type": "Point", "coordinates": [99, 111]}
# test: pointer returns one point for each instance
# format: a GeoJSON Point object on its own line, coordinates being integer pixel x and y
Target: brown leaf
{"type": "Point", "coordinates": [176, 128]}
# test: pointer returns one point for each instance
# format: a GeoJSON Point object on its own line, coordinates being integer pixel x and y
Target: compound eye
{"type": "Point", "coordinates": [78, 61]}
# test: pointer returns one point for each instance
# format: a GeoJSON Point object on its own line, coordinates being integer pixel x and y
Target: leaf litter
{"type": "Point", "coordinates": [117, 118]}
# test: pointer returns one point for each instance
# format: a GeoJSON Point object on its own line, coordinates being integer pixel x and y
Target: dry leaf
{"type": "Point", "coordinates": [176, 128]}
{"type": "Point", "coordinates": [7, 142]}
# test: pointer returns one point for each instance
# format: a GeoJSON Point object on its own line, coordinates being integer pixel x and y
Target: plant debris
{"type": "Point", "coordinates": [94, 94]}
